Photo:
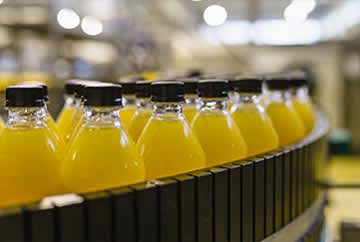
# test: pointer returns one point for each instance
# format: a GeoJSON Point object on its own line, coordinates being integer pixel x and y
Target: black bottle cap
{"type": "Point", "coordinates": [167, 91]}
{"type": "Point", "coordinates": [143, 89]}
{"type": "Point", "coordinates": [251, 84]}
{"type": "Point", "coordinates": [213, 88]}
{"type": "Point", "coordinates": [73, 87]}
{"type": "Point", "coordinates": [129, 84]}
{"type": "Point", "coordinates": [25, 96]}
{"type": "Point", "coordinates": [102, 94]}
{"type": "Point", "coordinates": [190, 85]}
{"type": "Point", "coordinates": [297, 79]}
{"type": "Point", "coordinates": [46, 92]}
{"type": "Point", "coordinates": [280, 82]}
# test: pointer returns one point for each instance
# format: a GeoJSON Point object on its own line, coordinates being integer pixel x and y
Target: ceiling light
{"type": "Point", "coordinates": [68, 18]}
{"type": "Point", "coordinates": [91, 25]}
{"type": "Point", "coordinates": [293, 15]}
{"type": "Point", "coordinates": [215, 15]}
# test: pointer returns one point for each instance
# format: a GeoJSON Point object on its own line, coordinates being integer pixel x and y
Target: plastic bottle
{"type": "Point", "coordinates": [285, 119]}
{"type": "Point", "coordinates": [302, 101]}
{"type": "Point", "coordinates": [29, 154]}
{"type": "Point", "coordinates": [216, 130]}
{"type": "Point", "coordinates": [50, 121]}
{"type": "Point", "coordinates": [250, 116]}
{"type": "Point", "coordinates": [101, 155]}
{"type": "Point", "coordinates": [191, 98]}
{"type": "Point", "coordinates": [167, 144]}
{"type": "Point", "coordinates": [71, 104]}
{"type": "Point", "coordinates": [143, 111]}
{"type": "Point", "coordinates": [129, 99]}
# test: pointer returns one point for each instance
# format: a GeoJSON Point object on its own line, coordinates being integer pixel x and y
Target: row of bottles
{"type": "Point", "coordinates": [110, 135]}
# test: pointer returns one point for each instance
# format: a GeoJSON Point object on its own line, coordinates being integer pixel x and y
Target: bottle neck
{"type": "Point", "coordinates": [234, 96]}
{"type": "Point", "coordinates": [191, 99]}
{"type": "Point", "coordinates": [302, 93]}
{"type": "Point", "coordinates": [102, 116]}
{"type": "Point", "coordinates": [279, 96]}
{"type": "Point", "coordinates": [142, 103]}
{"type": "Point", "coordinates": [22, 117]}
{"type": "Point", "coordinates": [128, 100]}
{"type": "Point", "coordinates": [249, 98]}
{"type": "Point", "coordinates": [167, 110]}
{"type": "Point", "coordinates": [70, 101]}
{"type": "Point", "coordinates": [213, 104]}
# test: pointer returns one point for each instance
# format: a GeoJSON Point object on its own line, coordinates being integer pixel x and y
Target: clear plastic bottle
{"type": "Point", "coordinates": [29, 154]}
{"type": "Point", "coordinates": [250, 116]}
{"type": "Point", "coordinates": [215, 128]}
{"type": "Point", "coordinates": [302, 101]}
{"type": "Point", "coordinates": [50, 121]}
{"type": "Point", "coordinates": [167, 144]}
{"type": "Point", "coordinates": [129, 99]}
{"type": "Point", "coordinates": [71, 104]}
{"type": "Point", "coordinates": [143, 111]}
{"type": "Point", "coordinates": [101, 154]}
{"type": "Point", "coordinates": [285, 119]}
{"type": "Point", "coordinates": [191, 97]}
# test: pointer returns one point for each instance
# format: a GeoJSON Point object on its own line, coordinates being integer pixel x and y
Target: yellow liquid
{"type": "Point", "coordinates": [29, 161]}
{"type": "Point", "coordinates": [257, 129]}
{"type": "Point", "coordinates": [306, 112]}
{"type": "Point", "coordinates": [54, 133]}
{"type": "Point", "coordinates": [101, 158]}
{"type": "Point", "coordinates": [219, 137]}
{"type": "Point", "coordinates": [72, 127]}
{"type": "Point", "coordinates": [1, 125]}
{"type": "Point", "coordinates": [138, 122]}
{"type": "Point", "coordinates": [286, 121]}
{"type": "Point", "coordinates": [189, 112]}
{"type": "Point", "coordinates": [169, 147]}
{"type": "Point", "coordinates": [126, 114]}
{"type": "Point", "coordinates": [65, 119]}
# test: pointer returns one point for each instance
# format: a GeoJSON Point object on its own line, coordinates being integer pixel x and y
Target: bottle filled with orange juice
{"type": "Point", "coordinates": [215, 128]}
{"type": "Point", "coordinates": [49, 119]}
{"type": "Point", "coordinates": [167, 144]}
{"type": "Point", "coordinates": [250, 116]}
{"type": "Point", "coordinates": [232, 95]}
{"type": "Point", "coordinates": [71, 104]}
{"type": "Point", "coordinates": [29, 154]}
{"type": "Point", "coordinates": [143, 111]}
{"type": "Point", "coordinates": [72, 112]}
{"type": "Point", "coordinates": [302, 101]}
{"type": "Point", "coordinates": [285, 119]}
{"type": "Point", "coordinates": [128, 99]}
{"type": "Point", "coordinates": [191, 98]}
{"type": "Point", "coordinates": [101, 154]}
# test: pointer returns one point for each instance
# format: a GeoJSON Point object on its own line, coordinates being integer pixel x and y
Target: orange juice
{"type": "Point", "coordinates": [301, 99]}
{"type": "Point", "coordinates": [72, 101]}
{"type": "Point", "coordinates": [167, 144]}
{"type": "Point", "coordinates": [129, 99]}
{"type": "Point", "coordinates": [143, 111]}
{"type": "Point", "coordinates": [305, 109]}
{"type": "Point", "coordinates": [213, 125]}
{"type": "Point", "coordinates": [28, 151]}
{"type": "Point", "coordinates": [72, 111]}
{"type": "Point", "coordinates": [191, 98]}
{"type": "Point", "coordinates": [78, 116]}
{"type": "Point", "coordinates": [101, 155]}
{"type": "Point", "coordinates": [286, 121]}
{"type": "Point", "coordinates": [250, 116]}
